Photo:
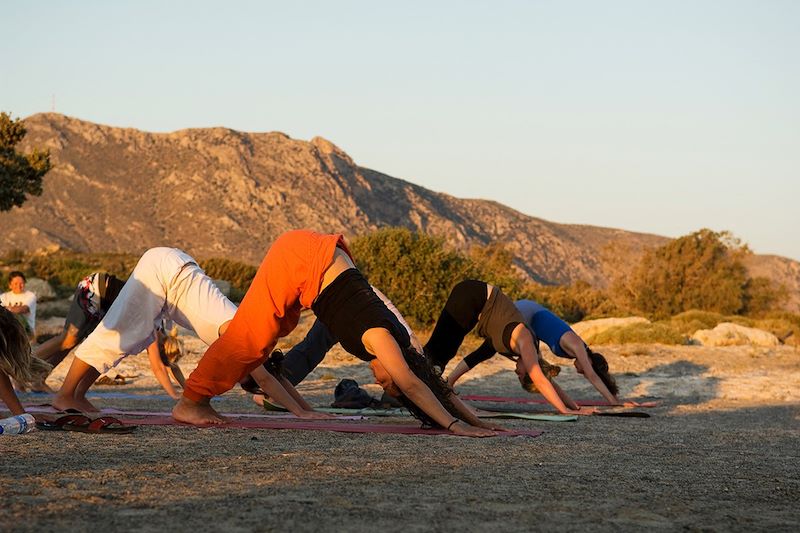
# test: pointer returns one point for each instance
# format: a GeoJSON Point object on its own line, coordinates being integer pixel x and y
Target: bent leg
{"type": "Point", "coordinates": [459, 317]}
{"type": "Point", "coordinates": [72, 395]}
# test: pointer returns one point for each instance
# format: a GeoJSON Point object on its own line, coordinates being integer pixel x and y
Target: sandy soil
{"type": "Point", "coordinates": [721, 452]}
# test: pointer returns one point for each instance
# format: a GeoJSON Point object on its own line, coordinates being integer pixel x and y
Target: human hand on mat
{"type": "Point", "coordinates": [581, 411]}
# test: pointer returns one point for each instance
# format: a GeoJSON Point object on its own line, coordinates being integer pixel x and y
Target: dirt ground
{"type": "Point", "coordinates": [720, 452]}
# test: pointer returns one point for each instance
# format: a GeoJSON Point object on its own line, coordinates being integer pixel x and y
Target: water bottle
{"type": "Point", "coordinates": [16, 425]}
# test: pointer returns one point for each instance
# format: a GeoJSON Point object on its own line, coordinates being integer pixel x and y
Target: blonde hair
{"type": "Point", "coordinates": [171, 347]}
{"type": "Point", "coordinates": [16, 359]}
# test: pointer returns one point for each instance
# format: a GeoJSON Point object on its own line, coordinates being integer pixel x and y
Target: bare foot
{"type": "Point", "coordinates": [196, 413]}
{"type": "Point", "coordinates": [258, 399]}
{"type": "Point", "coordinates": [62, 403]}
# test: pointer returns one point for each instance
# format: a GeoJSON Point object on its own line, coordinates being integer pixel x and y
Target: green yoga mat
{"type": "Point", "coordinates": [367, 411]}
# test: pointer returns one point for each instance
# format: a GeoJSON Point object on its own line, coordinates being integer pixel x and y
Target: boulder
{"type": "Point", "coordinates": [730, 334]}
{"type": "Point", "coordinates": [590, 328]}
{"type": "Point", "coordinates": [41, 289]}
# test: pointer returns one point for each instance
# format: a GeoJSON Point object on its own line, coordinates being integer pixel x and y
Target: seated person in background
{"type": "Point", "coordinates": [20, 302]}
{"type": "Point", "coordinates": [474, 304]}
{"type": "Point", "coordinates": [562, 341]}
{"type": "Point", "coordinates": [16, 361]}
{"type": "Point", "coordinates": [168, 284]}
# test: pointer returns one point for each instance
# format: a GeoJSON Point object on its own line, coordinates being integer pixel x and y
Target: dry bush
{"type": "Point", "coordinates": [648, 333]}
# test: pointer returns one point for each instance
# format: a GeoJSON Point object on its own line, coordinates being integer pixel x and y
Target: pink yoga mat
{"type": "Point", "coordinates": [49, 409]}
{"type": "Point", "coordinates": [309, 425]}
{"type": "Point", "coordinates": [586, 403]}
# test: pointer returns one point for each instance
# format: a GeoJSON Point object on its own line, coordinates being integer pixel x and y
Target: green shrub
{"type": "Point", "coordinates": [575, 302]}
{"type": "Point", "coordinates": [654, 332]}
{"type": "Point", "coordinates": [688, 322]}
{"type": "Point", "coordinates": [238, 274]}
{"type": "Point", "coordinates": [784, 325]}
{"type": "Point", "coordinates": [414, 270]}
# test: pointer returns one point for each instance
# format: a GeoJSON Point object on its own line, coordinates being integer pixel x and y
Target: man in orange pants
{"type": "Point", "coordinates": [288, 280]}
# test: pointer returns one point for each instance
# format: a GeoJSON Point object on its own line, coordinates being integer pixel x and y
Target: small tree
{"type": "Point", "coordinates": [416, 271]}
{"type": "Point", "coordinates": [20, 174]}
{"type": "Point", "coordinates": [703, 270]}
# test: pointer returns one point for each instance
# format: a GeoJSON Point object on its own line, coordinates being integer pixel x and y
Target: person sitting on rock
{"type": "Point", "coordinates": [562, 341]}
{"type": "Point", "coordinates": [166, 284]}
{"type": "Point", "coordinates": [474, 304]}
{"type": "Point", "coordinates": [304, 269]}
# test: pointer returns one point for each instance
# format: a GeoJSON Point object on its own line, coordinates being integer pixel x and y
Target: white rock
{"type": "Point", "coordinates": [730, 334]}
{"type": "Point", "coordinates": [40, 288]}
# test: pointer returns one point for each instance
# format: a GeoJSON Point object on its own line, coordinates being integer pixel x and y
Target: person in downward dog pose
{"type": "Point", "coordinates": [16, 361]}
{"type": "Point", "coordinates": [166, 284]}
{"type": "Point", "coordinates": [306, 355]}
{"type": "Point", "coordinates": [474, 304]}
{"type": "Point", "coordinates": [562, 341]}
{"type": "Point", "coordinates": [304, 269]}
{"type": "Point", "coordinates": [93, 297]}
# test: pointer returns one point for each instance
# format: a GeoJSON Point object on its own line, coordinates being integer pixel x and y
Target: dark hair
{"type": "Point", "coordinates": [422, 368]}
{"type": "Point", "coordinates": [549, 370]}
{"type": "Point", "coordinates": [16, 274]}
{"type": "Point", "coordinates": [600, 366]}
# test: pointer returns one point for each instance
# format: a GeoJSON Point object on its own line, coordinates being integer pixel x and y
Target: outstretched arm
{"type": "Point", "coordinates": [575, 346]}
{"type": "Point", "coordinates": [278, 391]}
{"type": "Point", "coordinates": [564, 396]}
{"type": "Point", "coordinates": [8, 396]}
{"type": "Point", "coordinates": [522, 343]}
{"type": "Point", "coordinates": [469, 416]}
{"type": "Point", "coordinates": [177, 374]}
{"type": "Point", "coordinates": [380, 343]}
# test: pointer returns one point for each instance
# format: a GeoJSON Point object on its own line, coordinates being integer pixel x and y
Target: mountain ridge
{"type": "Point", "coordinates": [221, 192]}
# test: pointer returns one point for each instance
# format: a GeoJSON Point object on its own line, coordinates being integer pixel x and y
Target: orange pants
{"type": "Point", "coordinates": [287, 281]}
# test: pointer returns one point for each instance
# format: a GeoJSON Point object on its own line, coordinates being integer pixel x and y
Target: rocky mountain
{"type": "Point", "coordinates": [217, 192]}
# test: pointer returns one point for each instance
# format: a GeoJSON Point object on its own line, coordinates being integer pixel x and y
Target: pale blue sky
{"type": "Point", "coordinates": [660, 117]}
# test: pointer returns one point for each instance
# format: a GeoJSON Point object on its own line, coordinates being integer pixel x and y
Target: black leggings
{"type": "Point", "coordinates": [459, 317]}
{"type": "Point", "coordinates": [469, 306]}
